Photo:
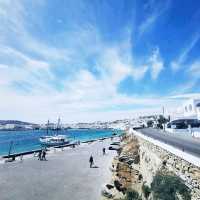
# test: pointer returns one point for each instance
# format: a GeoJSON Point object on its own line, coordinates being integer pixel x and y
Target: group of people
{"type": "Point", "coordinates": [91, 160]}
{"type": "Point", "coordinates": [42, 154]}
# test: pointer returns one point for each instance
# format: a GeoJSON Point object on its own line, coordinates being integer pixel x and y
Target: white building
{"type": "Point", "coordinates": [9, 126]}
{"type": "Point", "coordinates": [191, 108]}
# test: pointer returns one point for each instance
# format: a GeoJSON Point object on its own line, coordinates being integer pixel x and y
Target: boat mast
{"type": "Point", "coordinates": [10, 148]}
{"type": "Point", "coordinates": [48, 127]}
{"type": "Point", "coordinates": [58, 125]}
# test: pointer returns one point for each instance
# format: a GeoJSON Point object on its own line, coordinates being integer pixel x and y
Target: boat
{"type": "Point", "coordinates": [54, 140]}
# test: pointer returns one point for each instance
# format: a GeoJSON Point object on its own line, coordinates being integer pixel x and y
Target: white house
{"type": "Point", "coordinates": [192, 108]}
{"type": "Point", "coordinates": [9, 126]}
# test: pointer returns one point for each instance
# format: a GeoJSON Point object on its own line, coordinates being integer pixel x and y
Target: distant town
{"type": "Point", "coordinates": [144, 121]}
{"type": "Point", "coordinates": [186, 116]}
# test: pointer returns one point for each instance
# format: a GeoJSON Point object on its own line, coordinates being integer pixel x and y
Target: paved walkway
{"type": "Point", "coordinates": [65, 176]}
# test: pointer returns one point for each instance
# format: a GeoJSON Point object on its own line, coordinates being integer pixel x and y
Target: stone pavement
{"type": "Point", "coordinates": [65, 176]}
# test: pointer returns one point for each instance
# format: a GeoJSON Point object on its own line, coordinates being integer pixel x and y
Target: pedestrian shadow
{"type": "Point", "coordinates": [95, 166]}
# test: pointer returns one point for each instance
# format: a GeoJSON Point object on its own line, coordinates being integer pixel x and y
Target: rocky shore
{"type": "Point", "coordinates": [138, 163]}
{"type": "Point", "coordinates": [124, 175]}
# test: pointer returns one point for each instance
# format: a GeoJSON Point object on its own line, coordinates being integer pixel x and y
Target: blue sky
{"type": "Point", "coordinates": [87, 60]}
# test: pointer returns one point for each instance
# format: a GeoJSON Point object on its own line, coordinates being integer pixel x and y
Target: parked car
{"type": "Point", "coordinates": [183, 123]}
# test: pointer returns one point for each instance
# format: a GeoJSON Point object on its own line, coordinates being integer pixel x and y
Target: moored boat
{"type": "Point", "coordinates": [54, 140]}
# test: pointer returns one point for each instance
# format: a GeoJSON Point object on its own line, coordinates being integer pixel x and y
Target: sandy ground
{"type": "Point", "coordinates": [65, 176]}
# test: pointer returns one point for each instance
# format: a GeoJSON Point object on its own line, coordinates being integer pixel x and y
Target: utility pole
{"type": "Point", "coordinates": [163, 109]}
{"type": "Point", "coordinates": [47, 127]}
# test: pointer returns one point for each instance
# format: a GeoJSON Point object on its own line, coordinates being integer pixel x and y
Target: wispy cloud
{"type": "Point", "coordinates": [30, 70]}
{"type": "Point", "coordinates": [138, 73]}
{"type": "Point", "coordinates": [194, 69]}
{"type": "Point", "coordinates": [193, 74]}
{"type": "Point", "coordinates": [148, 23]}
{"type": "Point", "coordinates": [76, 77]}
{"type": "Point", "coordinates": [156, 63]}
{"type": "Point", "coordinates": [185, 96]}
{"type": "Point", "coordinates": [154, 10]}
{"type": "Point", "coordinates": [177, 64]}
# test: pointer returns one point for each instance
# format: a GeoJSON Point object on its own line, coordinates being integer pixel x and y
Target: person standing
{"type": "Point", "coordinates": [40, 155]}
{"type": "Point", "coordinates": [44, 154]}
{"type": "Point", "coordinates": [104, 151]}
{"type": "Point", "coordinates": [91, 160]}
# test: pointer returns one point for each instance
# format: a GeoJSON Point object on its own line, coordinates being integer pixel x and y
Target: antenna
{"type": "Point", "coordinates": [58, 122]}
{"type": "Point", "coordinates": [58, 125]}
{"type": "Point", "coordinates": [163, 109]}
{"type": "Point", "coordinates": [48, 127]}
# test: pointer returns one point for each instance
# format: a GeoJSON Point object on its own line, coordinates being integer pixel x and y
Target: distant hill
{"type": "Point", "coordinates": [3, 122]}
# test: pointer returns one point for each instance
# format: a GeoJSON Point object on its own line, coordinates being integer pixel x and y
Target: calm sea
{"type": "Point", "coordinates": [29, 140]}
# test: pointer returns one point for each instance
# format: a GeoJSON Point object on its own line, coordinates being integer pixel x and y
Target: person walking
{"type": "Point", "coordinates": [104, 151]}
{"type": "Point", "coordinates": [44, 154]}
{"type": "Point", "coordinates": [91, 160]}
{"type": "Point", "coordinates": [40, 155]}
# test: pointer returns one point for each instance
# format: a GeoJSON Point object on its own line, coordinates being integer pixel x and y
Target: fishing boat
{"type": "Point", "coordinates": [54, 140]}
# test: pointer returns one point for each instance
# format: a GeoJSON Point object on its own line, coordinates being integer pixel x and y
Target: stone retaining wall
{"type": "Point", "coordinates": [138, 162]}
{"type": "Point", "coordinates": [152, 158]}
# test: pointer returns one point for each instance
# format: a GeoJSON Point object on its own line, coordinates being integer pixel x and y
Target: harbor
{"type": "Point", "coordinates": [12, 142]}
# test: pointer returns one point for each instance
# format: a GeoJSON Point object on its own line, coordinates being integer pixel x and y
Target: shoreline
{"type": "Point", "coordinates": [53, 130]}
{"type": "Point", "coordinates": [87, 137]}
{"type": "Point", "coordinates": [54, 149]}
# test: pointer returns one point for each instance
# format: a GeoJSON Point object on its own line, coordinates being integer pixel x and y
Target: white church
{"type": "Point", "coordinates": [191, 108]}
{"type": "Point", "coordinates": [188, 120]}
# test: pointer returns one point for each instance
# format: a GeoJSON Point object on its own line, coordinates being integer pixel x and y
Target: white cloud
{"type": "Point", "coordinates": [193, 74]}
{"type": "Point", "coordinates": [84, 95]}
{"type": "Point", "coordinates": [148, 23]}
{"type": "Point", "coordinates": [177, 64]}
{"type": "Point", "coordinates": [27, 61]}
{"type": "Point", "coordinates": [194, 70]}
{"type": "Point", "coordinates": [2, 66]}
{"type": "Point", "coordinates": [184, 87]}
{"type": "Point", "coordinates": [186, 96]}
{"type": "Point", "coordinates": [156, 10]}
{"type": "Point", "coordinates": [156, 63]}
{"type": "Point", "coordinates": [15, 26]}
{"type": "Point", "coordinates": [139, 72]}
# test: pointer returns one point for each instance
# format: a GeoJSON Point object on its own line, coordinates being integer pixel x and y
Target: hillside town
{"type": "Point", "coordinates": [190, 111]}
{"type": "Point", "coordinates": [118, 124]}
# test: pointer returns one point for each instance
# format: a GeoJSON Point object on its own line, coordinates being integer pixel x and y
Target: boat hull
{"type": "Point", "coordinates": [54, 140]}
{"type": "Point", "coordinates": [49, 144]}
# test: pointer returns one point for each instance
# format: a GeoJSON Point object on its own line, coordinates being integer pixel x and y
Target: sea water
{"type": "Point", "coordinates": [20, 141]}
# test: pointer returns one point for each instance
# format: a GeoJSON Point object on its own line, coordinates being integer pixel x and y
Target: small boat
{"type": "Point", "coordinates": [54, 140]}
